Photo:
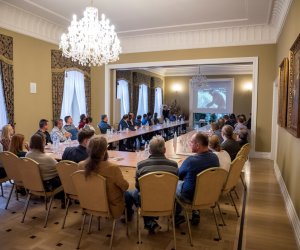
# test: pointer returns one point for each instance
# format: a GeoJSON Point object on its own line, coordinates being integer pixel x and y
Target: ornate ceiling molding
{"type": "Point", "coordinates": [21, 21]}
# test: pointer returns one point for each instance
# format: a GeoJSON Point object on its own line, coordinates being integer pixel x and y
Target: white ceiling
{"type": "Point", "coordinates": [135, 17]}
{"type": "Point", "coordinates": [215, 69]}
{"type": "Point", "coordinates": [147, 25]}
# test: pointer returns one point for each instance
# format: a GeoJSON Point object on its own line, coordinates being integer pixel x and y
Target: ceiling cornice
{"type": "Point", "coordinates": [21, 21]}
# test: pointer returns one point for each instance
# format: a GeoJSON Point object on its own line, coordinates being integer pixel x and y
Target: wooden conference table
{"type": "Point", "coordinates": [128, 160]}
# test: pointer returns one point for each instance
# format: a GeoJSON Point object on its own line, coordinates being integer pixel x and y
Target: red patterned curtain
{"type": "Point", "coordinates": [6, 61]}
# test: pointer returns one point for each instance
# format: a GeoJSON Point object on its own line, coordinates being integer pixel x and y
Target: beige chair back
{"type": "Point", "coordinates": [31, 176]}
{"type": "Point", "coordinates": [157, 192]}
{"type": "Point", "coordinates": [91, 191]}
{"type": "Point", "coordinates": [209, 185]}
{"type": "Point", "coordinates": [65, 169]}
{"type": "Point", "coordinates": [11, 164]}
{"type": "Point", "coordinates": [233, 177]}
{"type": "Point", "coordinates": [244, 151]}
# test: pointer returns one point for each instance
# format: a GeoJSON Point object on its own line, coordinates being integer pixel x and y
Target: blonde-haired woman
{"type": "Point", "coordinates": [224, 157]}
{"type": "Point", "coordinates": [97, 163]}
{"type": "Point", "coordinates": [6, 134]}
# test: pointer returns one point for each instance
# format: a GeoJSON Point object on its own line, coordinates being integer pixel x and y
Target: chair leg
{"type": "Point", "coordinates": [168, 224]}
{"type": "Point", "coordinates": [223, 221]}
{"type": "Point", "coordinates": [90, 223]}
{"type": "Point", "coordinates": [17, 194]}
{"type": "Point", "coordinates": [126, 221]}
{"type": "Point", "coordinates": [189, 226]}
{"type": "Point", "coordinates": [236, 194]}
{"type": "Point", "coordinates": [215, 217]}
{"type": "Point", "coordinates": [112, 234]}
{"type": "Point", "coordinates": [243, 182]}
{"type": "Point", "coordinates": [137, 222]}
{"type": "Point", "coordinates": [174, 230]}
{"type": "Point", "coordinates": [66, 213]}
{"type": "Point", "coordinates": [138, 228]}
{"type": "Point", "coordinates": [232, 200]}
{"type": "Point", "coordinates": [26, 207]}
{"type": "Point", "coordinates": [10, 193]}
{"type": "Point", "coordinates": [45, 200]}
{"type": "Point", "coordinates": [98, 218]}
{"type": "Point", "coordinates": [48, 211]}
{"type": "Point", "coordinates": [82, 227]}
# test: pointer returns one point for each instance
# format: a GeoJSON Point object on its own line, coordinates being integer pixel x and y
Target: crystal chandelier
{"type": "Point", "coordinates": [199, 80]}
{"type": "Point", "coordinates": [91, 41]}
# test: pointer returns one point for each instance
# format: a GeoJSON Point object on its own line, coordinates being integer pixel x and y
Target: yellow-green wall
{"type": "Point", "coordinates": [288, 157]}
{"type": "Point", "coordinates": [32, 63]}
{"type": "Point", "coordinates": [267, 72]}
{"type": "Point", "coordinates": [241, 101]}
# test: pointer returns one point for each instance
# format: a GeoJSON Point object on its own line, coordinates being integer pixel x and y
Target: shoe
{"type": "Point", "coordinates": [153, 227]}
{"type": "Point", "coordinates": [179, 219]}
{"type": "Point", "coordinates": [195, 218]}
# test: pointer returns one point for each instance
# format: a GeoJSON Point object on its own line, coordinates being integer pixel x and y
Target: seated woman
{"type": "Point", "coordinates": [6, 134]}
{"type": "Point", "coordinates": [115, 183]}
{"type": "Point", "coordinates": [47, 165]}
{"type": "Point", "coordinates": [17, 145]}
{"type": "Point", "coordinates": [224, 157]}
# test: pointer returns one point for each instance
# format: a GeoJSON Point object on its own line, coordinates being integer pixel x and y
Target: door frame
{"type": "Point", "coordinates": [253, 60]}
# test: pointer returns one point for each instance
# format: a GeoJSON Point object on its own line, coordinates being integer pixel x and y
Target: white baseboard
{"type": "Point", "coordinates": [260, 155]}
{"type": "Point", "coordinates": [294, 219]}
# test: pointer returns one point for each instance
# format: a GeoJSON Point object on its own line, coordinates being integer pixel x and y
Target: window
{"type": "Point", "coordinates": [158, 102]}
{"type": "Point", "coordinates": [3, 111]}
{"type": "Point", "coordinates": [143, 100]}
{"type": "Point", "coordinates": [123, 95]}
{"type": "Point", "coordinates": [74, 103]}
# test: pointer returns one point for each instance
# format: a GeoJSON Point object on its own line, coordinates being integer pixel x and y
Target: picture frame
{"type": "Point", "coordinates": [283, 78]}
{"type": "Point", "coordinates": [293, 111]}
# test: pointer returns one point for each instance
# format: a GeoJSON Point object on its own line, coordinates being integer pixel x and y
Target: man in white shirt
{"type": "Point", "coordinates": [224, 157]}
{"type": "Point", "coordinates": [58, 132]}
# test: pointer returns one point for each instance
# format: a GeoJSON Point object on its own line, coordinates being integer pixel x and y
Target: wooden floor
{"type": "Point", "coordinates": [267, 225]}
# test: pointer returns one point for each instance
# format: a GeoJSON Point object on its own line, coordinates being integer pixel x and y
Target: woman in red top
{"type": "Point", "coordinates": [82, 121]}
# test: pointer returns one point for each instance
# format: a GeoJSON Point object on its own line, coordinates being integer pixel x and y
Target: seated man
{"type": "Point", "coordinates": [156, 162]}
{"type": "Point", "coordinates": [190, 168]}
{"type": "Point", "coordinates": [58, 132]}
{"type": "Point", "coordinates": [124, 123]}
{"type": "Point", "coordinates": [69, 127]}
{"type": "Point", "coordinates": [138, 121]}
{"type": "Point", "coordinates": [78, 154]}
{"type": "Point", "coordinates": [243, 137]}
{"type": "Point", "coordinates": [145, 120]}
{"type": "Point", "coordinates": [216, 130]}
{"type": "Point", "coordinates": [103, 125]}
{"type": "Point", "coordinates": [229, 144]}
{"type": "Point", "coordinates": [43, 130]}
{"type": "Point", "coordinates": [240, 125]}
{"type": "Point", "coordinates": [149, 118]}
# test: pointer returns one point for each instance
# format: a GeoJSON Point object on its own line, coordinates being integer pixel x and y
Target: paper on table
{"type": "Point", "coordinates": [117, 158]}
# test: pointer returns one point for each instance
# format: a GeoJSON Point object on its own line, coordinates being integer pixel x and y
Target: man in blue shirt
{"type": "Point", "coordinates": [69, 127]}
{"type": "Point", "coordinates": [103, 125]}
{"type": "Point", "coordinates": [190, 168]}
{"type": "Point", "coordinates": [145, 119]}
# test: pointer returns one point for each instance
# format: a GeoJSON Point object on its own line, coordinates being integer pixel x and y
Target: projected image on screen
{"type": "Point", "coordinates": [216, 97]}
{"type": "Point", "coordinates": [212, 98]}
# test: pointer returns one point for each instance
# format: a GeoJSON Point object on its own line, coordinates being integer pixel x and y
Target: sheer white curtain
{"type": "Point", "coordinates": [158, 102]}
{"type": "Point", "coordinates": [143, 100]}
{"type": "Point", "coordinates": [73, 103]}
{"type": "Point", "coordinates": [3, 111]}
{"type": "Point", "coordinates": [123, 95]}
